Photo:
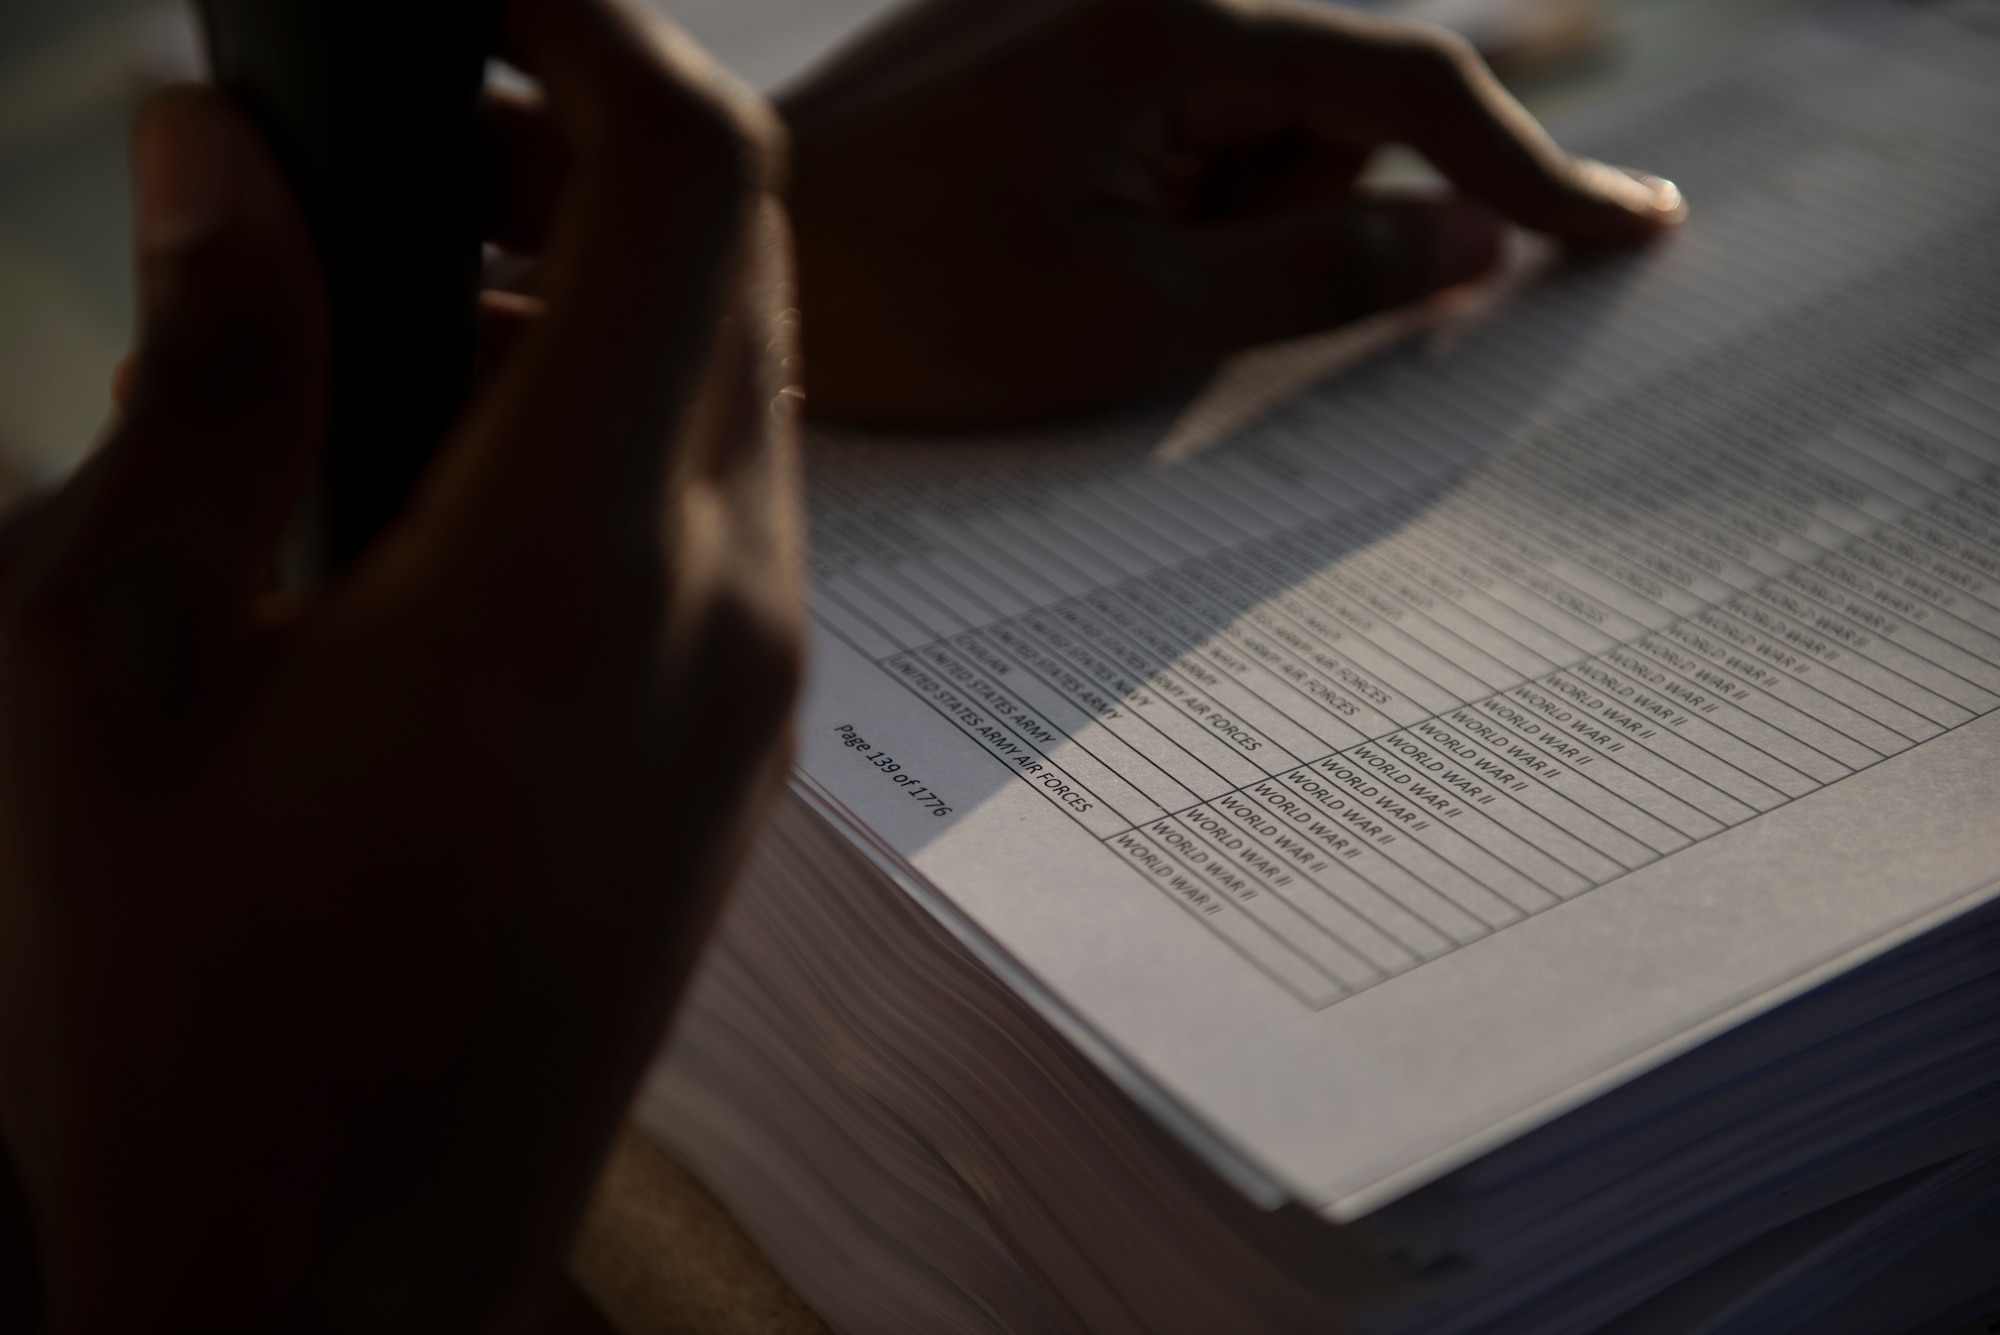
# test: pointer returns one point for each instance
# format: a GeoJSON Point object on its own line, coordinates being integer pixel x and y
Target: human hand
{"type": "Point", "coordinates": [1013, 208]}
{"type": "Point", "coordinates": [335, 930]}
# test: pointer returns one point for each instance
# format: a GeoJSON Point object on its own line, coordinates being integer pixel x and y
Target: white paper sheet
{"type": "Point", "coordinates": [1482, 729]}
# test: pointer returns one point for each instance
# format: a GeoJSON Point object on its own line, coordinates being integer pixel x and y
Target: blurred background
{"type": "Point", "coordinates": [73, 71]}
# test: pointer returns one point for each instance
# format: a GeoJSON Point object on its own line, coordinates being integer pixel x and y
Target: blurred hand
{"type": "Point", "coordinates": [335, 932]}
{"type": "Point", "coordinates": [1012, 208]}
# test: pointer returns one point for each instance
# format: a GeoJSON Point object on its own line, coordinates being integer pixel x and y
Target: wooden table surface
{"type": "Point", "coordinates": [659, 1255]}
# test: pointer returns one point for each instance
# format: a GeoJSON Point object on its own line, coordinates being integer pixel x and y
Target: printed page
{"type": "Point", "coordinates": [1495, 720]}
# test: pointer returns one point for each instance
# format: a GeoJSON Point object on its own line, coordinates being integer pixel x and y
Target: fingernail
{"type": "Point", "coordinates": [1667, 203]}
{"type": "Point", "coordinates": [1652, 197]}
{"type": "Point", "coordinates": [188, 176]}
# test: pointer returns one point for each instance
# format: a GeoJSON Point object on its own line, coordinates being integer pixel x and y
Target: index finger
{"type": "Point", "coordinates": [1426, 87]}
{"type": "Point", "coordinates": [648, 245]}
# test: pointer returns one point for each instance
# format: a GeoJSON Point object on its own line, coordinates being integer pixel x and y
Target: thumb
{"type": "Point", "coordinates": [226, 396]}
{"type": "Point", "coordinates": [1281, 277]}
